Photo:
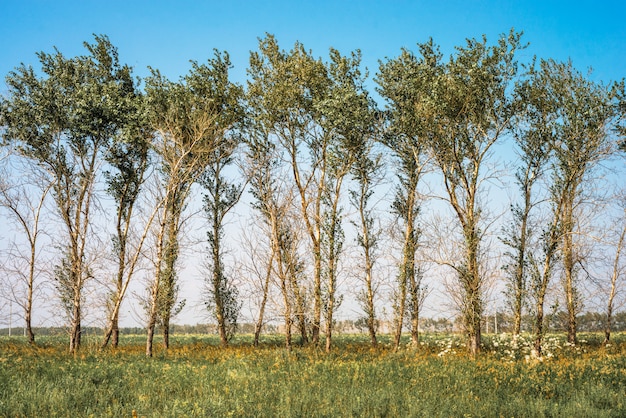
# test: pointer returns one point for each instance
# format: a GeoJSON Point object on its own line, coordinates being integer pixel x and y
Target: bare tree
{"type": "Point", "coordinates": [24, 204]}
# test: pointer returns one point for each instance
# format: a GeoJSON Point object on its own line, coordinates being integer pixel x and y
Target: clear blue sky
{"type": "Point", "coordinates": [167, 34]}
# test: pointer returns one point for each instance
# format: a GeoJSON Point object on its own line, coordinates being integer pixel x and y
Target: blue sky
{"type": "Point", "coordinates": [167, 34]}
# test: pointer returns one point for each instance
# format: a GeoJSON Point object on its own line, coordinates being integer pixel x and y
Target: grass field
{"type": "Point", "coordinates": [197, 378]}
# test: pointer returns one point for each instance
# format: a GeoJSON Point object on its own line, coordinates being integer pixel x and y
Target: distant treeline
{"type": "Point", "coordinates": [587, 322]}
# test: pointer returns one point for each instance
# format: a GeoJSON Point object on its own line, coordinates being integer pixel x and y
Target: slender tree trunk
{"type": "Point", "coordinates": [520, 271]}
{"type": "Point", "coordinates": [568, 267]}
{"type": "Point", "coordinates": [415, 302]}
{"type": "Point", "coordinates": [473, 287]}
{"type": "Point", "coordinates": [287, 311]}
{"type": "Point", "coordinates": [218, 278]}
{"type": "Point", "coordinates": [539, 322]}
{"type": "Point", "coordinates": [369, 263]}
{"type": "Point", "coordinates": [401, 307]}
{"type": "Point", "coordinates": [317, 292]}
{"type": "Point", "coordinates": [150, 335]}
{"type": "Point", "coordinates": [370, 308]}
{"type": "Point", "coordinates": [330, 304]}
{"type": "Point", "coordinates": [613, 291]}
{"type": "Point", "coordinates": [154, 293]}
{"type": "Point", "coordinates": [166, 332]}
{"type": "Point", "coordinates": [29, 298]}
{"type": "Point", "coordinates": [115, 332]}
{"type": "Point", "coordinates": [300, 313]}
{"type": "Point", "coordinates": [266, 285]}
{"type": "Point", "coordinates": [334, 250]}
{"type": "Point", "coordinates": [75, 327]}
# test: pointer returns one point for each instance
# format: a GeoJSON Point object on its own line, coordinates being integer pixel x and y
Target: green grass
{"type": "Point", "coordinates": [197, 378]}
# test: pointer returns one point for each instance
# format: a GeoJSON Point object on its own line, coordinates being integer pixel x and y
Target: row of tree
{"type": "Point", "coordinates": [310, 144]}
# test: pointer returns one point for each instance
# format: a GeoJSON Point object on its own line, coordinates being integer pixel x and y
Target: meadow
{"type": "Point", "coordinates": [197, 378]}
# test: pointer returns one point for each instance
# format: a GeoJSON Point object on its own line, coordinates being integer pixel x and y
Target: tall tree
{"type": "Point", "coordinates": [189, 118]}
{"type": "Point", "coordinates": [584, 112]}
{"type": "Point", "coordinates": [367, 171]}
{"type": "Point", "coordinates": [532, 131]}
{"type": "Point", "coordinates": [64, 122]}
{"type": "Point", "coordinates": [347, 114]}
{"type": "Point", "coordinates": [273, 200]}
{"type": "Point", "coordinates": [220, 197]}
{"type": "Point", "coordinates": [397, 81]}
{"type": "Point", "coordinates": [285, 87]}
{"type": "Point", "coordinates": [461, 109]}
{"type": "Point", "coordinates": [128, 161]}
{"type": "Point", "coordinates": [221, 194]}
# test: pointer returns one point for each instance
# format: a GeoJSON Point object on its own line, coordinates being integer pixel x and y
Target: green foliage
{"type": "Point", "coordinates": [457, 110]}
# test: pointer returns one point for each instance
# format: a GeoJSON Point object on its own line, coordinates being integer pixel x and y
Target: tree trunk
{"type": "Point", "coordinates": [115, 331]}
{"type": "Point", "coordinates": [29, 329]}
{"type": "Point", "coordinates": [75, 328]}
{"type": "Point", "coordinates": [539, 325]}
{"type": "Point", "coordinates": [29, 300]}
{"type": "Point", "coordinates": [367, 252]}
{"type": "Point", "coordinates": [568, 267]}
{"type": "Point", "coordinates": [371, 314]}
{"type": "Point", "coordinates": [473, 286]}
{"type": "Point", "coordinates": [166, 333]}
{"type": "Point", "coordinates": [613, 292]}
{"type": "Point", "coordinates": [317, 294]}
{"type": "Point", "coordinates": [287, 314]}
{"type": "Point", "coordinates": [154, 294]}
{"type": "Point", "coordinates": [266, 285]}
{"type": "Point", "coordinates": [150, 337]}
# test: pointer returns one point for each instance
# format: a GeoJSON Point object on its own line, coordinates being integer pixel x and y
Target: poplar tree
{"type": "Point", "coordinates": [189, 119]}
{"type": "Point", "coordinates": [461, 108]}
{"type": "Point", "coordinates": [64, 121]}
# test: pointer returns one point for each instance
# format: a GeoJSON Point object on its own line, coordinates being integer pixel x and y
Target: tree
{"type": "Point", "coordinates": [24, 204]}
{"type": "Point", "coordinates": [64, 122]}
{"type": "Point", "coordinates": [583, 113]}
{"type": "Point", "coordinates": [273, 201]}
{"type": "Point", "coordinates": [396, 79]}
{"type": "Point", "coordinates": [189, 118]}
{"type": "Point", "coordinates": [460, 110]}
{"type": "Point", "coordinates": [283, 91]}
{"type": "Point", "coordinates": [128, 159]}
{"type": "Point", "coordinates": [616, 273]}
{"type": "Point", "coordinates": [367, 173]}
{"type": "Point", "coordinates": [532, 131]}
{"type": "Point", "coordinates": [221, 196]}
{"type": "Point", "coordinates": [535, 136]}
{"type": "Point", "coordinates": [348, 115]}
